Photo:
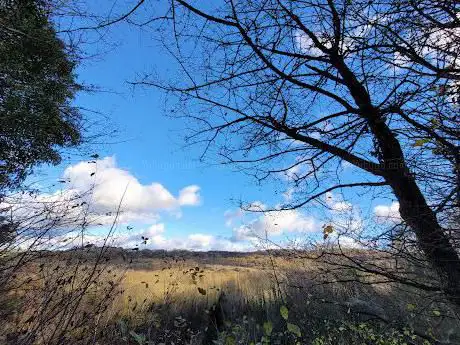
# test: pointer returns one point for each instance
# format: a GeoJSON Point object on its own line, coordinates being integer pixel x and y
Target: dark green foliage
{"type": "Point", "coordinates": [37, 84]}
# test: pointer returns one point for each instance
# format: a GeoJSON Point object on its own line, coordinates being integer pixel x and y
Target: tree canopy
{"type": "Point", "coordinates": [304, 86]}
{"type": "Point", "coordinates": [37, 85]}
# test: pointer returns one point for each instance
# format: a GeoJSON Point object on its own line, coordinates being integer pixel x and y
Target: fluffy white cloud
{"type": "Point", "coordinates": [45, 211]}
{"type": "Point", "coordinates": [189, 196]}
{"type": "Point", "coordinates": [155, 239]}
{"type": "Point", "coordinates": [387, 213]}
{"type": "Point", "coordinates": [306, 45]}
{"type": "Point", "coordinates": [344, 216]}
{"type": "Point", "coordinates": [126, 238]}
{"type": "Point", "coordinates": [342, 206]}
{"type": "Point", "coordinates": [337, 205]}
{"type": "Point", "coordinates": [134, 238]}
{"type": "Point", "coordinates": [202, 242]}
{"type": "Point", "coordinates": [95, 190]}
{"type": "Point", "coordinates": [152, 237]}
{"type": "Point", "coordinates": [112, 185]}
{"type": "Point", "coordinates": [274, 223]}
{"type": "Point", "coordinates": [344, 241]}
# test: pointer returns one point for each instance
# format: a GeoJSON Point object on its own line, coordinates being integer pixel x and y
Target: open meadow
{"type": "Point", "coordinates": [215, 298]}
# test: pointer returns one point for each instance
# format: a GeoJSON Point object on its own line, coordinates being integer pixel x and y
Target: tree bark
{"type": "Point", "coordinates": [431, 238]}
{"type": "Point", "coordinates": [413, 206]}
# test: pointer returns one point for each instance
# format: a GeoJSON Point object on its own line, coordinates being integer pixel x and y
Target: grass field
{"type": "Point", "coordinates": [250, 299]}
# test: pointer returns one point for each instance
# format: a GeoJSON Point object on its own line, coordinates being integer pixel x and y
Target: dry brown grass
{"type": "Point", "coordinates": [173, 300]}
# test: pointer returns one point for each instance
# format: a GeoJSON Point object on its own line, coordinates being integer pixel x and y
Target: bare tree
{"type": "Point", "coordinates": [55, 283]}
{"type": "Point", "coordinates": [321, 82]}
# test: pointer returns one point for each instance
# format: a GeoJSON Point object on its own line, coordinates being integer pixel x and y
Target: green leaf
{"type": "Point", "coordinates": [230, 340]}
{"type": "Point", "coordinates": [202, 291]}
{"type": "Point", "coordinates": [436, 313]}
{"type": "Point", "coordinates": [434, 123]}
{"type": "Point", "coordinates": [411, 307]}
{"type": "Point", "coordinates": [294, 329]}
{"type": "Point", "coordinates": [420, 142]}
{"type": "Point", "coordinates": [268, 328]}
{"type": "Point", "coordinates": [284, 312]}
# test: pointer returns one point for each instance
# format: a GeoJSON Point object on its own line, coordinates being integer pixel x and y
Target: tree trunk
{"type": "Point", "coordinates": [431, 238]}
{"type": "Point", "coordinates": [414, 209]}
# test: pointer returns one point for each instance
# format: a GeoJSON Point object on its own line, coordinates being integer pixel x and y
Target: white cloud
{"type": "Point", "coordinates": [342, 206]}
{"type": "Point", "coordinates": [305, 44]}
{"type": "Point", "coordinates": [45, 211]}
{"type": "Point", "coordinates": [155, 229]}
{"type": "Point", "coordinates": [189, 196]}
{"type": "Point", "coordinates": [387, 213]}
{"type": "Point", "coordinates": [274, 223]}
{"type": "Point", "coordinates": [195, 241]}
{"type": "Point", "coordinates": [400, 61]}
{"type": "Point", "coordinates": [97, 189]}
{"type": "Point", "coordinates": [152, 237]}
{"type": "Point", "coordinates": [297, 171]}
{"type": "Point", "coordinates": [344, 242]}
{"type": "Point", "coordinates": [112, 185]}
{"type": "Point", "coordinates": [337, 205]}
{"type": "Point", "coordinates": [200, 240]}
{"type": "Point", "coordinates": [348, 242]}
{"type": "Point", "coordinates": [344, 216]}
{"type": "Point", "coordinates": [131, 238]}
{"type": "Point", "coordinates": [231, 216]}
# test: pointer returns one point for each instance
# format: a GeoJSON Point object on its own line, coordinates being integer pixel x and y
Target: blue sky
{"type": "Point", "coordinates": [149, 148]}
{"type": "Point", "coordinates": [149, 145]}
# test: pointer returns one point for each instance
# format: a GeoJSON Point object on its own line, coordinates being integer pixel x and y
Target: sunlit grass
{"type": "Point", "coordinates": [173, 299]}
{"type": "Point", "coordinates": [192, 286]}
